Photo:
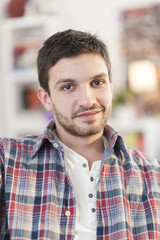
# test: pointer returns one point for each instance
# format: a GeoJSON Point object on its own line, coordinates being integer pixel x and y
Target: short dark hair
{"type": "Point", "coordinates": [68, 43]}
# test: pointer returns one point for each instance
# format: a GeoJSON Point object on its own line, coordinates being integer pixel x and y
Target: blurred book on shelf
{"type": "Point", "coordinates": [25, 54]}
{"type": "Point", "coordinates": [30, 99]}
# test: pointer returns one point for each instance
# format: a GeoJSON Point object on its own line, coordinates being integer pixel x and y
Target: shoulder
{"type": "Point", "coordinates": [144, 169]}
{"type": "Point", "coordinates": [143, 160]}
{"type": "Point", "coordinates": [6, 142]}
{"type": "Point", "coordinates": [142, 174]}
{"type": "Point", "coordinates": [12, 146]}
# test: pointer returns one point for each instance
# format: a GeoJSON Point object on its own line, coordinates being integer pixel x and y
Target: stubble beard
{"type": "Point", "coordinates": [87, 128]}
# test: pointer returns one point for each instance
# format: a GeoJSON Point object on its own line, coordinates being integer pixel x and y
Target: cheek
{"type": "Point", "coordinates": [106, 100]}
{"type": "Point", "coordinates": [63, 104]}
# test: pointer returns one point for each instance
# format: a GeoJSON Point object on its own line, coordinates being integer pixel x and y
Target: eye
{"type": "Point", "coordinates": [97, 83]}
{"type": "Point", "coordinates": [67, 87]}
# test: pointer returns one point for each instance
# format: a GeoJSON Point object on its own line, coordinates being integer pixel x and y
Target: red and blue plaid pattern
{"type": "Point", "coordinates": [36, 192]}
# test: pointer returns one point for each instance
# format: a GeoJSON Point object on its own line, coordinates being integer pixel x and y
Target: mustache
{"type": "Point", "coordinates": [84, 109]}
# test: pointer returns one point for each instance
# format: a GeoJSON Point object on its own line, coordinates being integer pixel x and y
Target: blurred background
{"type": "Point", "coordinates": [131, 30]}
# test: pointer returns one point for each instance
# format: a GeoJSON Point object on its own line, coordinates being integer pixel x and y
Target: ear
{"type": "Point", "coordinates": [44, 99]}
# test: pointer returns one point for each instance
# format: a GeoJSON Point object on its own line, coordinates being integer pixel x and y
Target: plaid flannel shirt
{"type": "Point", "coordinates": [37, 199]}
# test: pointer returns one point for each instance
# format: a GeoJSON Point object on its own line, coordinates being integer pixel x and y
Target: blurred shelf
{"type": "Point", "coordinates": [20, 76]}
{"type": "Point", "coordinates": [148, 129]}
{"type": "Point", "coordinates": [21, 38]}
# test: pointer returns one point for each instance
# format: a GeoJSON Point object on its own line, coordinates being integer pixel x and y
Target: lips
{"type": "Point", "coordinates": [89, 113]}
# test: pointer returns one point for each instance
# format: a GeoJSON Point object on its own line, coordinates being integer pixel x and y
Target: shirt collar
{"type": "Point", "coordinates": [111, 135]}
{"type": "Point", "coordinates": [47, 135]}
{"type": "Point", "coordinates": [116, 144]}
{"type": "Point", "coordinates": [114, 139]}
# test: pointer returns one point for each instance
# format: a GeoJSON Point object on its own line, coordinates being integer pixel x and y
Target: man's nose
{"type": "Point", "coordinates": [86, 97]}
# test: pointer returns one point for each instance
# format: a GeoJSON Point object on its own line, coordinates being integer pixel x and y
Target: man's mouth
{"type": "Point", "coordinates": [89, 114]}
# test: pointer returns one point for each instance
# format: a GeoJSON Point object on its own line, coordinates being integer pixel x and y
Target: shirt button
{"type": "Point", "coordinates": [93, 210]}
{"type": "Point", "coordinates": [55, 145]}
{"type": "Point", "coordinates": [90, 195]}
{"type": "Point", "coordinates": [67, 213]}
{"type": "Point", "coordinates": [91, 179]}
{"type": "Point", "coordinates": [84, 165]}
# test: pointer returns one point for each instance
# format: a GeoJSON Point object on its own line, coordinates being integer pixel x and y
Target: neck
{"type": "Point", "coordinates": [90, 147]}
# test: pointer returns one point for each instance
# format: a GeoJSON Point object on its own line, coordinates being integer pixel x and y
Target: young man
{"type": "Point", "coordinates": [77, 180]}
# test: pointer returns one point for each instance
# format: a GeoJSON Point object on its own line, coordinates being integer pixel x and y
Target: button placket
{"type": "Point", "coordinates": [93, 210]}
{"type": "Point", "coordinates": [93, 186]}
{"type": "Point", "coordinates": [90, 195]}
{"type": "Point", "coordinates": [84, 165]}
{"type": "Point", "coordinates": [91, 179]}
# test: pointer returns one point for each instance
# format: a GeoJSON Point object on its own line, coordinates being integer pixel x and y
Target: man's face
{"type": "Point", "coordinates": [80, 94]}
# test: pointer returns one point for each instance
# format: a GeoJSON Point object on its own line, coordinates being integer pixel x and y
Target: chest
{"type": "Point", "coordinates": [40, 200]}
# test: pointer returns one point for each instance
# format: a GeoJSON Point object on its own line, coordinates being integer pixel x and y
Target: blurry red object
{"type": "Point", "coordinates": [16, 8]}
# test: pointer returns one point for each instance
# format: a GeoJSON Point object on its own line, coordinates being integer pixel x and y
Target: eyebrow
{"type": "Point", "coordinates": [71, 80]}
{"type": "Point", "coordinates": [65, 80]}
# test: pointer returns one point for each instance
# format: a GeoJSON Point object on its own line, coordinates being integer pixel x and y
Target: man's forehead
{"type": "Point", "coordinates": [84, 65]}
{"type": "Point", "coordinates": [79, 59]}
